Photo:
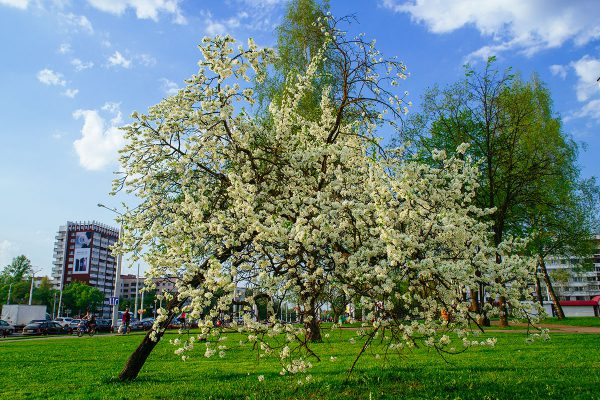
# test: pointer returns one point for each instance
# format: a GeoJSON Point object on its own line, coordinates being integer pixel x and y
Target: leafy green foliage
{"type": "Point", "coordinates": [79, 297]}
{"type": "Point", "coordinates": [19, 268]}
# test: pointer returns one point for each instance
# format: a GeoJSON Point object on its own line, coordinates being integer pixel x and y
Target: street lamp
{"type": "Point", "coordinates": [115, 312]}
{"type": "Point", "coordinates": [8, 297]}
{"type": "Point", "coordinates": [31, 288]}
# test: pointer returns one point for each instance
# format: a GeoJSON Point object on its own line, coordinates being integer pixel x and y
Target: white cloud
{"type": "Point", "coordinates": [215, 27]}
{"type": "Point", "coordinates": [115, 109]}
{"type": "Point", "coordinates": [559, 70]}
{"type": "Point", "coordinates": [22, 4]}
{"type": "Point", "coordinates": [78, 22]}
{"type": "Point", "coordinates": [527, 26]}
{"type": "Point", "coordinates": [146, 60]}
{"type": "Point", "coordinates": [81, 65]}
{"type": "Point", "coordinates": [144, 9]}
{"type": "Point", "coordinates": [589, 110]}
{"type": "Point", "coordinates": [49, 77]}
{"type": "Point", "coordinates": [117, 59]}
{"type": "Point", "coordinates": [169, 87]}
{"type": "Point", "coordinates": [70, 93]}
{"type": "Point", "coordinates": [64, 48]}
{"type": "Point", "coordinates": [587, 70]}
{"type": "Point", "coordinates": [98, 146]}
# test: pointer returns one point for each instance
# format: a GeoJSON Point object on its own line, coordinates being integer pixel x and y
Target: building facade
{"type": "Point", "coordinates": [128, 285]}
{"type": "Point", "coordinates": [82, 253]}
{"type": "Point", "coordinates": [569, 282]}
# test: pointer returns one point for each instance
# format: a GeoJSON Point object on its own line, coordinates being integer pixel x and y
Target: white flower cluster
{"type": "Point", "coordinates": [305, 202]}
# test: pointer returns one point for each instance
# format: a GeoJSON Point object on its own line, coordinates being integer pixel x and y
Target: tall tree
{"type": "Point", "coordinates": [513, 134]}
{"type": "Point", "coordinates": [79, 298]}
{"type": "Point", "coordinates": [564, 225]}
{"type": "Point", "coordinates": [18, 269]}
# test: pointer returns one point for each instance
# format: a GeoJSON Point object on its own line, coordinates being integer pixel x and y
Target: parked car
{"type": "Point", "coordinates": [6, 328]}
{"type": "Point", "coordinates": [147, 323]}
{"type": "Point", "coordinates": [64, 321]}
{"type": "Point", "coordinates": [103, 325]}
{"type": "Point", "coordinates": [136, 324]}
{"type": "Point", "coordinates": [45, 328]}
{"type": "Point", "coordinates": [74, 325]}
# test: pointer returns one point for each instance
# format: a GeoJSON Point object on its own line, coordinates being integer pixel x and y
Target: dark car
{"type": "Point", "coordinates": [147, 323]}
{"type": "Point", "coordinates": [6, 328]}
{"type": "Point", "coordinates": [103, 325]}
{"type": "Point", "coordinates": [45, 328]}
{"type": "Point", "coordinates": [136, 325]}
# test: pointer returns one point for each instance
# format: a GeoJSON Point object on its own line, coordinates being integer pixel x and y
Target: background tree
{"type": "Point", "coordinates": [44, 294]}
{"type": "Point", "coordinates": [13, 280]}
{"type": "Point", "coordinates": [17, 270]}
{"type": "Point", "coordinates": [79, 298]}
{"type": "Point", "coordinates": [564, 227]}
{"type": "Point", "coordinates": [513, 135]}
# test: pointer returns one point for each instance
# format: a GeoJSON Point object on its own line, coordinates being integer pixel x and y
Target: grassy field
{"type": "Point", "coordinates": [573, 321]}
{"type": "Point", "coordinates": [566, 367]}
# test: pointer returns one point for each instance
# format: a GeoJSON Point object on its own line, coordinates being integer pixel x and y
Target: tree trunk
{"type": "Point", "coordinates": [483, 318]}
{"type": "Point", "coordinates": [555, 302]}
{"type": "Point", "coordinates": [538, 289]}
{"type": "Point", "coordinates": [312, 324]}
{"type": "Point", "coordinates": [503, 311]}
{"type": "Point", "coordinates": [136, 360]}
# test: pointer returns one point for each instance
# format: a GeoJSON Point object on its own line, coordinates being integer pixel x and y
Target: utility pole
{"type": "Point", "coordinates": [117, 288]}
{"type": "Point", "coordinates": [31, 288]}
{"type": "Point", "coordinates": [8, 297]}
{"type": "Point", "coordinates": [137, 279]}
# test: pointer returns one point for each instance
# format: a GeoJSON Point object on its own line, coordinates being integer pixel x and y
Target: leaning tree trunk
{"type": "Point", "coordinates": [137, 359]}
{"type": "Point", "coordinates": [555, 302]}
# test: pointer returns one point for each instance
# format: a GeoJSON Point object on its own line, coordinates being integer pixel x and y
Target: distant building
{"type": "Point", "coordinates": [128, 285]}
{"type": "Point", "coordinates": [82, 253]}
{"type": "Point", "coordinates": [574, 285]}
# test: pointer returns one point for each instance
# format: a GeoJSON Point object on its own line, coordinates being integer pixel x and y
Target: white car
{"type": "Point", "coordinates": [64, 321]}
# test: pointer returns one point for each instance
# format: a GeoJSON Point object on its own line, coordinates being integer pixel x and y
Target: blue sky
{"type": "Point", "coordinates": [73, 71]}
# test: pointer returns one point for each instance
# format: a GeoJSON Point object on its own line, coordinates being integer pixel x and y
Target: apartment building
{"type": "Point", "coordinates": [572, 284]}
{"type": "Point", "coordinates": [82, 253]}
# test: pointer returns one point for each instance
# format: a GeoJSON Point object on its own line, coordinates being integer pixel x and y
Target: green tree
{"type": "Point", "coordinates": [564, 225]}
{"type": "Point", "coordinates": [19, 268]}
{"type": "Point", "coordinates": [79, 298]}
{"type": "Point", "coordinates": [299, 38]}
{"type": "Point", "coordinates": [514, 135]}
{"type": "Point", "coordinates": [44, 294]}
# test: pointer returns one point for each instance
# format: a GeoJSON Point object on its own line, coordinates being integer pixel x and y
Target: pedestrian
{"type": "Point", "coordinates": [126, 320]}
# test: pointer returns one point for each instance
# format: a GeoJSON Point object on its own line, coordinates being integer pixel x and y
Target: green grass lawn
{"type": "Point", "coordinates": [567, 367]}
{"type": "Point", "coordinates": [573, 321]}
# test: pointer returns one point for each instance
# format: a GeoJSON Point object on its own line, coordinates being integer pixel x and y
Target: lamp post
{"type": "Point", "coordinates": [115, 312]}
{"type": "Point", "coordinates": [8, 297]}
{"type": "Point", "coordinates": [31, 287]}
{"type": "Point", "coordinates": [137, 279]}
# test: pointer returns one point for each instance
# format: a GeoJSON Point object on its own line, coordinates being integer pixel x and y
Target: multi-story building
{"type": "Point", "coordinates": [571, 283]}
{"type": "Point", "coordinates": [128, 285]}
{"type": "Point", "coordinates": [82, 252]}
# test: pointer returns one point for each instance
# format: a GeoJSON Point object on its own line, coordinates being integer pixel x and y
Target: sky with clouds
{"type": "Point", "coordinates": [73, 72]}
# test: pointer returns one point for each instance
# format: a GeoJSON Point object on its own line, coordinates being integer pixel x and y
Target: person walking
{"type": "Point", "coordinates": [126, 320]}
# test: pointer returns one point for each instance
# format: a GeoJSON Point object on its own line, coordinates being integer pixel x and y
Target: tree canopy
{"type": "Point", "coordinates": [528, 166]}
{"type": "Point", "coordinates": [306, 200]}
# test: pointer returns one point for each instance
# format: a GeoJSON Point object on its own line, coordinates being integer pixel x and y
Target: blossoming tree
{"type": "Point", "coordinates": [306, 201]}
